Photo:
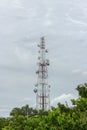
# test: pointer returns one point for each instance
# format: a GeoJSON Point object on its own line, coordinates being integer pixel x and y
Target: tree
{"type": "Point", "coordinates": [61, 118]}
{"type": "Point", "coordinates": [81, 102]}
{"type": "Point", "coordinates": [3, 122]}
{"type": "Point", "coordinates": [82, 89]}
{"type": "Point", "coordinates": [63, 108]}
{"type": "Point", "coordinates": [25, 111]}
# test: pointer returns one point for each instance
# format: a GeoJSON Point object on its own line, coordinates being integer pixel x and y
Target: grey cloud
{"type": "Point", "coordinates": [22, 23]}
{"type": "Point", "coordinates": [14, 69]}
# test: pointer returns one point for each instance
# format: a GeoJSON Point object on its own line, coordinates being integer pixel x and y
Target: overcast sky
{"type": "Point", "coordinates": [22, 23]}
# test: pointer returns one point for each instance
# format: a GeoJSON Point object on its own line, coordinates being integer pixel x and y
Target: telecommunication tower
{"type": "Point", "coordinates": [42, 89]}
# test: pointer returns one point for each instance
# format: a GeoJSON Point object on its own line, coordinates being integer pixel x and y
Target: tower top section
{"type": "Point", "coordinates": [42, 43]}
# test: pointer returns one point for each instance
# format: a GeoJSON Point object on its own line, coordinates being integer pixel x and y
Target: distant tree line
{"type": "Point", "coordinates": [62, 117]}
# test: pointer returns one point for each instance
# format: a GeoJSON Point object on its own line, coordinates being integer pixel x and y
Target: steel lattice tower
{"type": "Point", "coordinates": [42, 89]}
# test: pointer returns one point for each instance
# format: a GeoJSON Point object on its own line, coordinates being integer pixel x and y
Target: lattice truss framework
{"type": "Point", "coordinates": [42, 88]}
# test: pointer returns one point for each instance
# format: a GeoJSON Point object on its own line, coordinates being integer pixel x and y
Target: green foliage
{"type": "Point", "coordinates": [82, 89]}
{"type": "Point", "coordinates": [63, 108]}
{"type": "Point", "coordinates": [61, 118]}
{"type": "Point", "coordinates": [3, 122]}
{"type": "Point", "coordinates": [15, 112]}
{"type": "Point", "coordinates": [24, 111]}
{"type": "Point", "coordinates": [80, 103]}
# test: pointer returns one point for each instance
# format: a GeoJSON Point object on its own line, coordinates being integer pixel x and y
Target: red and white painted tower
{"type": "Point", "coordinates": [42, 89]}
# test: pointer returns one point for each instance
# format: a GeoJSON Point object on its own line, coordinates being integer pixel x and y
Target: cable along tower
{"type": "Point", "coordinates": [42, 89]}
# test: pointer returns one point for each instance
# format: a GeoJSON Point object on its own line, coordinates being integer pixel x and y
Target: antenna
{"type": "Point", "coordinates": [42, 89]}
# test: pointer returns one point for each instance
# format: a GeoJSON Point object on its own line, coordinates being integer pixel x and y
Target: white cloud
{"type": "Point", "coordinates": [77, 71]}
{"type": "Point", "coordinates": [25, 99]}
{"type": "Point", "coordinates": [63, 99]}
{"type": "Point", "coordinates": [78, 22]}
{"type": "Point", "coordinates": [4, 110]}
{"type": "Point", "coordinates": [22, 53]}
{"type": "Point", "coordinates": [48, 23]}
{"type": "Point", "coordinates": [10, 3]}
{"type": "Point", "coordinates": [85, 73]}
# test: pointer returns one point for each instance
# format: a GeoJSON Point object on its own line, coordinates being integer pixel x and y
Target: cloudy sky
{"type": "Point", "coordinates": [22, 23]}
